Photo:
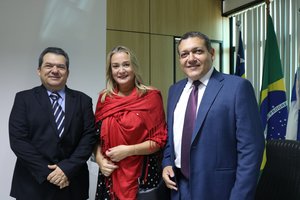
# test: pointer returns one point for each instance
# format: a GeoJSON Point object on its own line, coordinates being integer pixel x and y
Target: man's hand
{"type": "Point", "coordinates": [57, 177]}
{"type": "Point", "coordinates": [168, 175]}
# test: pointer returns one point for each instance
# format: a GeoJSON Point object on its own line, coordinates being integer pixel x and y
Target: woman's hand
{"type": "Point", "coordinates": [106, 166]}
{"type": "Point", "coordinates": [120, 152]}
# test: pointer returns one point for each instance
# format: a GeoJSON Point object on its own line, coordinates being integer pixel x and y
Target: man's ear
{"type": "Point", "coordinates": [212, 53]}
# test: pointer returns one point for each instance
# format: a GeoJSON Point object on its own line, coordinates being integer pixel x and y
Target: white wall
{"type": "Point", "coordinates": [27, 27]}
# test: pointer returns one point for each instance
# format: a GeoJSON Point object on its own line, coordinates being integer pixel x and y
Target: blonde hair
{"type": "Point", "coordinates": [110, 82]}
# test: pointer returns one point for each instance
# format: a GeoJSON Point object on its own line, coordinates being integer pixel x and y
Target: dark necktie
{"type": "Point", "coordinates": [188, 127]}
{"type": "Point", "coordinates": [59, 114]}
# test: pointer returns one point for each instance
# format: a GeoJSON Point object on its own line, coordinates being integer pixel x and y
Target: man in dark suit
{"type": "Point", "coordinates": [226, 142]}
{"type": "Point", "coordinates": [51, 149]}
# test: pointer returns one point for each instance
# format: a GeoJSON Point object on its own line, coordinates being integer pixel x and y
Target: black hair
{"type": "Point", "coordinates": [55, 50]}
{"type": "Point", "coordinates": [197, 34]}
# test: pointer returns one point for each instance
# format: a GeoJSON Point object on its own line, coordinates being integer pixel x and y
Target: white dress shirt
{"type": "Point", "coordinates": [179, 112]}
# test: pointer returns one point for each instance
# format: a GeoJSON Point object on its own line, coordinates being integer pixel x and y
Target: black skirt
{"type": "Point", "coordinates": [153, 178]}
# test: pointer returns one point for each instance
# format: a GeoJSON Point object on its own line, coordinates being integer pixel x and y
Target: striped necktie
{"type": "Point", "coordinates": [58, 112]}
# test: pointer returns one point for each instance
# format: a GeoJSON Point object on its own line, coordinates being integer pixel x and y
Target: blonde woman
{"type": "Point", "coordinates": [132, 125]}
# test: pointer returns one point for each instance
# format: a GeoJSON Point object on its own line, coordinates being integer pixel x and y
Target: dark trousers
{"type": "Point", "coordinates": [182, 185]}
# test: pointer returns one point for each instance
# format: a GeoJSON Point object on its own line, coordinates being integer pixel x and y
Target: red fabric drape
{"type": "Point", "coordinates": [126, 121]}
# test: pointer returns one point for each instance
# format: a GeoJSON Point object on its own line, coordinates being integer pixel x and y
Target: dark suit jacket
{"type": "Point", "coordinates": [227, 143]}
{"type": "Point", "coordinates": [34, 139]}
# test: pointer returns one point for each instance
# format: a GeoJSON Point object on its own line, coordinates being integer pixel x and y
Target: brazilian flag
{"type": "Point", "coordinates": [273, 103]}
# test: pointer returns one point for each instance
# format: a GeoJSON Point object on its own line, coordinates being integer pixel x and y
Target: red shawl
{"type": "Point", "coordinates": [126, 121]}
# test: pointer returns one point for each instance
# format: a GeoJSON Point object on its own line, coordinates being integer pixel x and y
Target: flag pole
{"type": "Point", "coordinates": [238, 24]}
{"type": "Point", "coordinates": [267, 12]}
{"type": "Point", "coordinates": [240, 58]}
{"type": "Point", "coordinates": [268, 6]}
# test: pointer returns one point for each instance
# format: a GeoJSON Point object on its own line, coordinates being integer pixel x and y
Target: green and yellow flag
{"type": "Point", "coordinates": [273, 103]}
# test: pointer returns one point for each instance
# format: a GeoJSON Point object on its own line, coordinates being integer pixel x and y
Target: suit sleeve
{"type": "Point", "coordinates": [250, 142]}
{"type": "Point", "coordinates": [20, 142]}
{"type": "Point", "coordinates": [167, 160]}
{"type": "Point", "coordinates": [85, 146]}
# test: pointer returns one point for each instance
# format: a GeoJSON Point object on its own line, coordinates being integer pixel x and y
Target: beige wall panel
{"type": "Point", "coordinates": [137, 42]}
{"type": "Point", "coordinates": [129, 15]}
{"type": "Point", "coordinates": [148, 26]}
{"type": "Point", "coordinates": [175, 17]}
{"type": "Point", "coordinates": [162, 64]}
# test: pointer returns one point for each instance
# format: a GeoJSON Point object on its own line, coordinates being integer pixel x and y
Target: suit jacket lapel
{"type": "Point", "coordinates": [69, 109]}
{"type": "Point", "coordinates": [174, 96]}
{"type": "Point", "coordinates": [43, 99]}
{"type": "Point", "coordinates": [177, 93]}
{"type": "Point", "coordinates": [213, 87]}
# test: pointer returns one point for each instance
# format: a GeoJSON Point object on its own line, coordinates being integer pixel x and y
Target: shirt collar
{"type": "Point", "coordinates": [204, 80]}
{"type": "Point", "coordinates": [61, 93]}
